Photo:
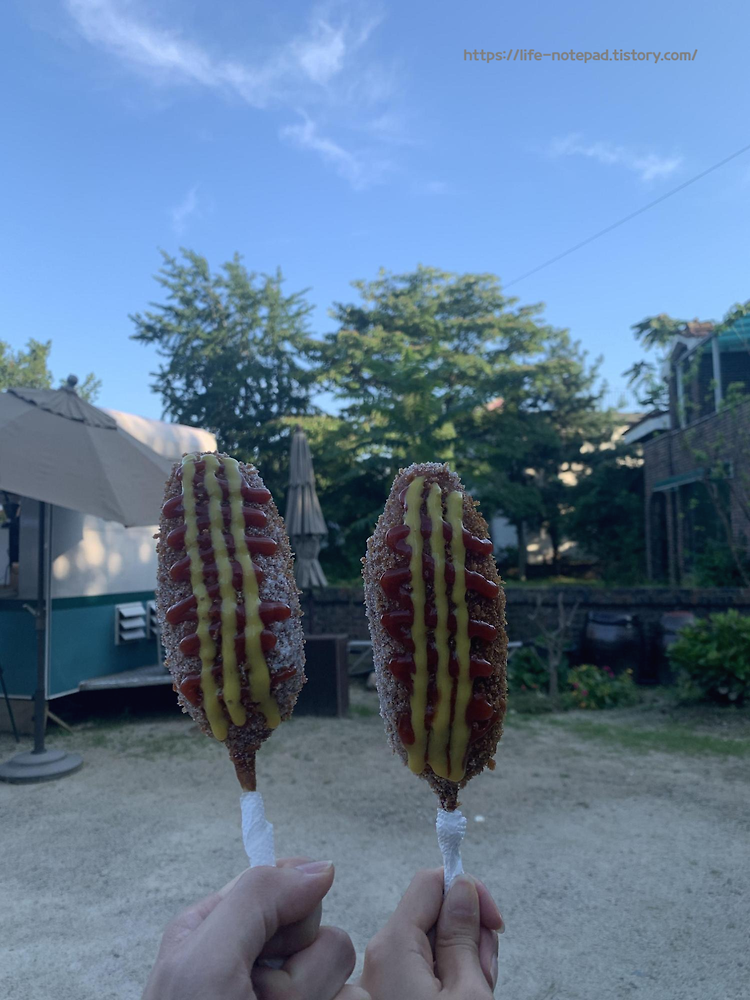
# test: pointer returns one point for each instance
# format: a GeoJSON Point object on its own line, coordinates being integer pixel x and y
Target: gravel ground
{"type": "Point", "coordinates": [620, 872]}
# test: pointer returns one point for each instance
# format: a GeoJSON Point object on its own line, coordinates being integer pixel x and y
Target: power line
{"type": "Point", "coordinates": [627, 218]}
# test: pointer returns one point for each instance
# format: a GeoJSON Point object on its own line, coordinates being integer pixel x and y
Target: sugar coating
{"type": "Point", "coordinates": [394, 697]}
{"type": "Point", "coordinates": [278, 585]}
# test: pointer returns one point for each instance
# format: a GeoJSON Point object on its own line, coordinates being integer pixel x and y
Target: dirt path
{"type": "Point", "coordinates": [620, 872]}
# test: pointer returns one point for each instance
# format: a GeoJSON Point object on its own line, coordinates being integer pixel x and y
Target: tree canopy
{"type": "Point", "coordinates": [437, 366]}
{"type": "Point", "coordinates": [29, 368]}
{"type": "Point", "coordinates": [548, 432]}
{"type": "Point", "coordinates": [605, 517]}
{"type": "Point", "coordinates": [234, 349]}
{"type": "Point", "coordinates": [413, 359]}
{"type": "Point", "coordinates": [426, 365]}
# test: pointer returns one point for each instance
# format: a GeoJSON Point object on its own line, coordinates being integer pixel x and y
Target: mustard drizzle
{"type": "Point", "coordinates": [207, 654]}
{"type": "Point", "coordinates": [257, 668]}
{"type": "Point", "coordinates": [441, 722]}
{"type": "Point", "coordinates": [417, 751]}
{"type": "Point", "coordinates": [259, 677]}
{"type": "Point", "coordinates": [460, 729]}
{"type": "Point", "coordinates": [230, 673]}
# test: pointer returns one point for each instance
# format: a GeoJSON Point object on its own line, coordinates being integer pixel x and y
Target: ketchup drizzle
{"type": "Point", "coordinates": [186, 610]}
{"type": "Point", "coordinates": [396, 584]}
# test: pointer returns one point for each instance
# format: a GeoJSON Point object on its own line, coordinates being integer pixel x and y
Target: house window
{"type": "Point", "coordinates": [696, 392]}
{"type": "Point", "coordinates": [735, 369]}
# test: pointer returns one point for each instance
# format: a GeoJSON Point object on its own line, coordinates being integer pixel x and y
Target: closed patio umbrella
{"type": "Point", "coordinates": [58, 449]}
{"type": "Point", "coordinates": [304, 519]}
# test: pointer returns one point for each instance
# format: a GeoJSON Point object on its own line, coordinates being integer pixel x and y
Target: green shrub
{"type": "Point", "coordinates": [527, 672]}
{"type": "Point", "coordinates": [600, 687]}
{"type": "Point", "coordinates": [716, 567]}
{"type": "Point", "coordinates": [712, 657]}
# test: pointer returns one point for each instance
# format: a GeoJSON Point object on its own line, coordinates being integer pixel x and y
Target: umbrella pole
{"type": "Point", "coordinates": [40, 698]}
{"type": "Point", "coordinates": [40, 764]}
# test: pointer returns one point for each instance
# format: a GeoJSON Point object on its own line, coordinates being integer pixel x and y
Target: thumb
{"type": "Point", "coordinates": [263, 900]}
{"type": "Point", "coordinates": [457, 940]}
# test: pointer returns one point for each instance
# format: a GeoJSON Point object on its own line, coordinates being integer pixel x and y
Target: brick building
{"type": "Point", "coordinates": [697, 453]}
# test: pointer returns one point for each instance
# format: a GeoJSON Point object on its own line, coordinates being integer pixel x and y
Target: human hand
{"type": "Point", "coordinates": [210, 951]}
{"type": "Point", "coordinates": [432, 946]}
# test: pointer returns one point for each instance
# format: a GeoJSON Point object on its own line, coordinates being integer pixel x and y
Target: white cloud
{"type": "Point", "coordinates": [108, 24]}
{"type": "Point", "coordinates": [322, 55]}
{"type": "Point", "coordinates": [316, 56]}
{"type": "Point", "coordinates": [390, 127]}
{"type": "Point", "coordinates": [648, 166]}
{"type": "Point", "coordinates": [315, 67]}
{"type": "Point", "coordinates": [361, 171]}
{"type": "Point", "coordinates": [181, 213]}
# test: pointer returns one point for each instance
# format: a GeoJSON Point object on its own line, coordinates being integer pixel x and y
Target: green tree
{"type": "Point", "coordinates": [606, 517]}
{"type": "Point", "coordinates": [29, 369]}
{"type": "Point", "coordinates": [352, 490]}
{"type": "Point", "coordinates": [419, 353]}
{"type": "Point", "coordinates": [444, 367]}
{"type": "Point", "coordinates": [534, 444]}
{"type": "Point", "coordinates": [234, 349]}
{"type": "Point", "coordinates": [655, 333]}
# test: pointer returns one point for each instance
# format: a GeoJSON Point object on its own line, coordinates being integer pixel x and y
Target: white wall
{"type": "Point", "coordinates": [91, 556]}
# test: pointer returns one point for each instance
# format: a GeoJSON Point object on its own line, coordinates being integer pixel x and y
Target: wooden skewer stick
{"type": "Point", "coordinates": [245, 768]}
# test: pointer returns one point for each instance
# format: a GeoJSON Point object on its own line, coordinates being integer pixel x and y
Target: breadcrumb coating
{"type": "Point", "coordinates": [394, 697]}
{"type": "Point", "coordinates": [278, 584]}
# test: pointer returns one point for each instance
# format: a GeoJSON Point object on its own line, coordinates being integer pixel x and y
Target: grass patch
{"type": "Point", "coordinates": [578, 581]}
{"type": "Point", "coordinates": [553, 581]}
{"type": "Point", "coordinates": [363, 711]}
{"type": "Point", "coordinates": [667, 739]}
{"type": "Point", "coordinates": [529, 703]}
{"type": "Point", "coordinates": [517, 720]}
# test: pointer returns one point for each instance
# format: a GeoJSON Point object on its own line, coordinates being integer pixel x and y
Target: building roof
{"type": "Point", "coordinates": [649, 425]}
{"type": "Point", "coordinates": [741, 326]}
{"type": "Point", "coordinates": [737, 336]}
{"type": "Point", "coordinates": [697, 328]}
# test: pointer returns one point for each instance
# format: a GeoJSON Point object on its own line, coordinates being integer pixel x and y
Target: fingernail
{"type": "Point", "coordinates": [501, 928]}
{"type": "Point", "coordinates": [315, 867]}
{"type": "Point", "coordinates": [497, 919]}
{"type": "Point", "coordinates": [462, 899]}
{"type": "Point", "coordinates": [493, 971]}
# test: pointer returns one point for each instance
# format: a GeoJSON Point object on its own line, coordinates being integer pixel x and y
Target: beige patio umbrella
{"type": "Point", "coordinates": [304, 519]}
{"type": "Point", "coordinates": [58, 449]}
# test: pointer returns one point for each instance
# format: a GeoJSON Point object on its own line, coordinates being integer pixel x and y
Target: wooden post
{"type": "Point", "coordinates": [716, 358]}
{"type": "Point", "coordinates": [522, 554]}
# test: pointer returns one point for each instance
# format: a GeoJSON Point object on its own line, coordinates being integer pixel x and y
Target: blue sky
{"type": "Point", "coordinates": [332, 139]}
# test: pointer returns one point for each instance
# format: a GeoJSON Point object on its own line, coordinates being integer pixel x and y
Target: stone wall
{"type": "Point", "coordinates": [336, 609]}
{"type": "Point", "coordinates": [341, 609]}
{"type": "Point", "coordinates": [647, 603]}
